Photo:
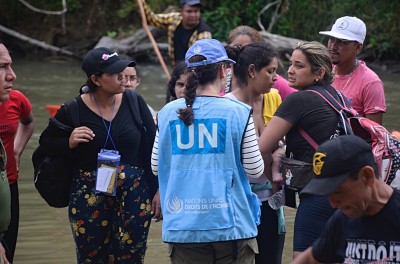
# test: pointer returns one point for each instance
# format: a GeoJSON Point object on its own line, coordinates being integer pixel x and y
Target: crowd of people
{"type": "Point", "coordinates": [216, 147]}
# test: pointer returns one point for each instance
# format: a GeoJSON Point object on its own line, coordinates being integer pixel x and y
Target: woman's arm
{"type": "Point", "coordinates": [276, 129]}
{"type": "Point", "coordinates": [60, 142]}
{"type": "Point", "coordinates": [253, 163]}
{"type": "Point", "coordinates": [154, 156]}
{"type": "Point", "coordinates": [24, 133]}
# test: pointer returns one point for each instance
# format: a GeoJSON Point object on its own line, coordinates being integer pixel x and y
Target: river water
{"type": "Point", "coordinates": [45, 236]}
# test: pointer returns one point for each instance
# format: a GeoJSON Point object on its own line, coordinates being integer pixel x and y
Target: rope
{"type": "Point", "coordinates": [45, 11]}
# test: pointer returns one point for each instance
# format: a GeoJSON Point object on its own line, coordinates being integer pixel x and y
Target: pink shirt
{"type": "Point", "coordinates": [281, 84]}
{"type": "Point", "coordinates": [364, 89]}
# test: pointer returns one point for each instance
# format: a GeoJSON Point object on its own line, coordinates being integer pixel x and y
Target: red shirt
{"type": "Point", "coordinates": [17, 106]}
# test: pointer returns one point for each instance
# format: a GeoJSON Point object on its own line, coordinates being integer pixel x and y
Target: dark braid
{"type": "Point", "coordinates": [197, 76]}
{"type": "Point", "coordinates": [186, 114]}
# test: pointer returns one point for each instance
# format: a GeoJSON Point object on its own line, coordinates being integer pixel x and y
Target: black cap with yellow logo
{"type": "Point", "coordinates": [335, 160]}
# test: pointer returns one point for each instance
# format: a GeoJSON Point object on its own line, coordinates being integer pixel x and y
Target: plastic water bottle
{"type": "Point", "coordinates": [277, 200]}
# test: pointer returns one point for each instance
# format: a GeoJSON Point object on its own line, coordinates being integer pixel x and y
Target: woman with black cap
{"type": "Point", "coordinates": [204, 150]}
{"type": "Point", "coordinates": [110, 200]}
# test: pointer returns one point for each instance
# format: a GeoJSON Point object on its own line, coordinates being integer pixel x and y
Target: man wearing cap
{"type": "Point", "coordinates": [184, 27]}
{"type": "Point", "coordinates": [353, 78]}
{"type": "Point", "coordinates": [366, 228]}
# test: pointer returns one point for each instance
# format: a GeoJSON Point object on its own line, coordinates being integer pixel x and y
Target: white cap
{"type": "Point", "coordinates": [348, 28]}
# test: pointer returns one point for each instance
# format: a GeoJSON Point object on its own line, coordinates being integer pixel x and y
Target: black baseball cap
{"type": "Point", "coordinates": [104, 60]}
{"type": "Point", "coordinates": [335, 160]}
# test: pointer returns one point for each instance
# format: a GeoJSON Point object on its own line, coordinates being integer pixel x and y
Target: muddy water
{"type": "Point", "coordinates": [45, 236]}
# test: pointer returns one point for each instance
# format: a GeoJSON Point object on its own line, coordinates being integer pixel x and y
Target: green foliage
{"type": "Point", "coordinates": [224, 16]}
{"type": "Point", "coordinates": [301, 19]}
{"type": "Point", "coordinates": [222, 19]}
{"type": "Point", "coordinates": [306, 18]}
{"type": "Point", "coordinates": [112, 34]}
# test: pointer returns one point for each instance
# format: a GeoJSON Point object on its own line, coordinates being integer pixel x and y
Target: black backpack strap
{"type": "Point", "coordinates": [71, 108]}
{"type": "Point", "coordinates": [146, 143]}
{"type": "Point", "coordinates": [132, 97]}
{"type": "Point", "coordinates": [339, 104]}
{"type": "Point", "coordinates": [328, 98]}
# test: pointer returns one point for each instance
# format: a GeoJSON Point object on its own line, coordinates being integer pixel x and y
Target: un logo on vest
{"type": "Point", "coordinates": [174, 205]}
{"type": "Point", "coordinates": [204, 136]}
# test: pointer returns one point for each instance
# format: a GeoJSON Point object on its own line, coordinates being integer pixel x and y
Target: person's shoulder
{"type": "Point", "coordinates": [17, 98]}
{"type": "Point", "coordinates": [273, 93]}
{"type": "Point", "coordinates": [203, 27]}
{"type": "Point", "coordinates": [231, 96]}
{"type": "Point", "coordinates": [299, 94]}
{"type": "Point", "coordinates": [367, 73]}
{"type": "Point", "coordinates": [229, 102]}
{"type": "Point", "coordinates": [175, 104]}
{"type": "Point", "coordinates": [15, 94]}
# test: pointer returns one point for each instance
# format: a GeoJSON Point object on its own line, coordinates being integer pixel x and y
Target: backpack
{"type": "Point", "coordinates": [53, 174]}
{"type": "Point", "coordinates": [385, 147]}
{"type": "Point", "coordinates": [146, 144]}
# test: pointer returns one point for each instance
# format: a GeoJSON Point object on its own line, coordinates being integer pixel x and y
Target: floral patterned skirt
{"type": "Point", "coordinates": [117, 225]}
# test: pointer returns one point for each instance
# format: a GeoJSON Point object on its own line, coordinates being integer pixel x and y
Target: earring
{"type": "Point", "coordinates": [316, 80]}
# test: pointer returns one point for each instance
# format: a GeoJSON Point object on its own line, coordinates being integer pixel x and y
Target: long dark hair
{"type": "Point", "coordinates": [179, 69]}
{"type": "Point", "coordinates": [258, 53]}
{"type": "Point", "coordinates": [197, 77]}
{"type": "Point", "coordinates": [89, 86]}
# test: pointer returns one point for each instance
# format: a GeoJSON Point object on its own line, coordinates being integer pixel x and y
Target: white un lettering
{"type": "Point", "coordinates": [203, 133]}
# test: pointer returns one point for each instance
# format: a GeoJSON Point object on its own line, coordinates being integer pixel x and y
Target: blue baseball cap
{"type": "Point", "coordinates": [211, 49]}
{"type": "Point", "coordinates": [190, 2]}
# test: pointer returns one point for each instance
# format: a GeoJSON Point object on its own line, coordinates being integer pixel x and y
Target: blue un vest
{"type": "Point", "coordinates": [205, 195]}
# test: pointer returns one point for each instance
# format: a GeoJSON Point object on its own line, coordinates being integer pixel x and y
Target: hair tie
{"type": "Point", "coordinates": [85, 89]}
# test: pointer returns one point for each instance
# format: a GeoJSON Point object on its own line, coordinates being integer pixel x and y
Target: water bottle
{"type": "Point", "coordinates": [277, 200]}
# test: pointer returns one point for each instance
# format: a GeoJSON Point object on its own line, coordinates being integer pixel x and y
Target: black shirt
{"type": "Point", "coordinates": [310, 112]}
{"type": "Point", "coordinates": [181, 40]}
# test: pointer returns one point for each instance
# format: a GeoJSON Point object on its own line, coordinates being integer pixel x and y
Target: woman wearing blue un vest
{"type": "Point", "coordinates": [205, 148]}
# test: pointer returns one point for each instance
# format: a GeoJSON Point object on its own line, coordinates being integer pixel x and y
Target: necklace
{"type": "Point", "coordinates": [350, 76]}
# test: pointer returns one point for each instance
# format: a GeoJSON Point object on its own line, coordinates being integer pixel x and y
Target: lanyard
{"type": "Point", "coordinates": [108, 129]}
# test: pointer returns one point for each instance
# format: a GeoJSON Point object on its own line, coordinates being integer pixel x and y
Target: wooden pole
{"type": "Point", "coordinates": [153, 42]}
